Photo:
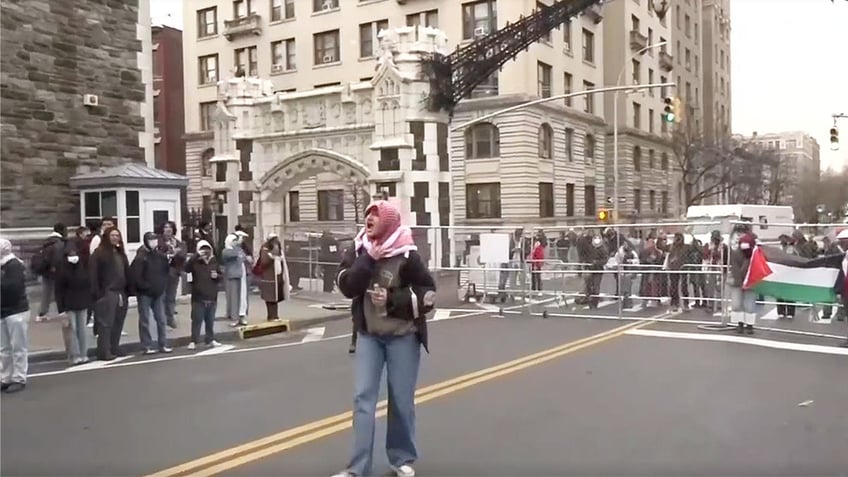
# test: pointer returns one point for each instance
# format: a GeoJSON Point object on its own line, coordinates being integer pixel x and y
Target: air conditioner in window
{"type": "Point", "coordinates": [566, 49]}
{"type": "Point", "coordinates": [329, 58]}
{"type": "Point", "coordinates": [327, 6]}
{"type": "Point", "coordinates": [277, 69]}
{"type": "Point", "coordinates": [481, 31]}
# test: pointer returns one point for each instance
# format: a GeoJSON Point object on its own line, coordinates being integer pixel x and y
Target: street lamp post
{"type": "Point", "coordinates": [615, 199]}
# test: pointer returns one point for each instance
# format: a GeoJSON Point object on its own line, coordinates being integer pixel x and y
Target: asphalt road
{"type": "Point", "coordinates": [625, 404]}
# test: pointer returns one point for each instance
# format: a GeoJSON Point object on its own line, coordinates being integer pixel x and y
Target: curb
{"type": "Point", "coordinates": [226, 336]}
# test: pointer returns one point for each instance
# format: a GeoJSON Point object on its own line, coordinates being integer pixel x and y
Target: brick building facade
{"type": "Point", "coordinates": [54, 53]}
{"type": "Point", "coordinates": [168, 99]}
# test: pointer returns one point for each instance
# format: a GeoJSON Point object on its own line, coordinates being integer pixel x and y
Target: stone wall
{"type": "Point", "coordinates": [54, 52]}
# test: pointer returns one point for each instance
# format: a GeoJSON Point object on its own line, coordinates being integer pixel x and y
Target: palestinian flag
{"type": "Point", "coordinates": [786, 277]}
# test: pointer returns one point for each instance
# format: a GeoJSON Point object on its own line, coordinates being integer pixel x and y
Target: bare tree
{"type": "Point", "coordinates": [706, 169]}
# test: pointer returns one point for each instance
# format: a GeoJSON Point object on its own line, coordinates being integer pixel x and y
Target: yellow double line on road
{"type": "Point", "coordinates": [237, 456]}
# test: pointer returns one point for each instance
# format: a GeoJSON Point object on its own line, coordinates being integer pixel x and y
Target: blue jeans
{"type": "Point", "coordinates": [79, 335]}
{"type": "Point", "coordinates": [400, 355]}
{"type": "Point", "coordinates": [156, 305]}
{"type": "Point", "coordinates": [203, 313]}
{"type": "Point", "coordinates": [14, 360]}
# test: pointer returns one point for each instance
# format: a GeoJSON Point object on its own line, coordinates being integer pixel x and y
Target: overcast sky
{"type": "Point", "coordinates": [789, 61]}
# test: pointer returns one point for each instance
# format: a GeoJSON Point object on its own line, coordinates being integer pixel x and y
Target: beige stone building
{"type": "Point", "coordinates": [546, 165]}
{"type": "Point", "coordinates": [648, 185]}
{"type": "Point", "coordinates": [800, 163]}
{"type": "Point", "coordinates": [716, 69]}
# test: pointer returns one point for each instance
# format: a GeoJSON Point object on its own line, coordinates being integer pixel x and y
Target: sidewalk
{"type": "Point", "coordinates": [304, 310]}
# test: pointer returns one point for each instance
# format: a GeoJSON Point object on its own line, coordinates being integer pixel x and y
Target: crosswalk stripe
{"type": "Point", "coordinates": [216, 350]}
{"type": "Point", "coordinates": [314, 334]}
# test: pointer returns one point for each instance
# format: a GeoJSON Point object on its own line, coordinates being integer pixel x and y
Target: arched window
{"type": "Point", "coordinates": [589, 148]}
{"type": "Point", "coordinates": [482, 141]}
{"type": "Point", "coordinates": [205, 169]}
{"type": "Point", "coordinates": [546, 141]}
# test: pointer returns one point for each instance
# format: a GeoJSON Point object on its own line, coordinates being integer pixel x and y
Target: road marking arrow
{"type": "Point", "coordinates": [314, 334]}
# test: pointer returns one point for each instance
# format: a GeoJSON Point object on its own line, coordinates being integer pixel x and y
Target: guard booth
{"type": "Point", "coordinates": [140, 198]}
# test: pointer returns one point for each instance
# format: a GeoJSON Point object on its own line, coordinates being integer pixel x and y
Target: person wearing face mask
{"type": "Point", "coordinates": [652, 259]}
{"type": "Point", "coordinates": [742, 302]}
{"type": "Point", "coordinates": [273, 275]}
{"type": "Point", "coordinates": [73, 296]}
{"type": "Point", "coordinates": [150, 271]}
{"type": "Point", "coordinates": [108, 272]}
{"type": "Point", "coordinates": [204, 274]}
{"type": "Point", "coordinates": [391, 292]}
{"type": "Point", "coordinates": [176, 254]}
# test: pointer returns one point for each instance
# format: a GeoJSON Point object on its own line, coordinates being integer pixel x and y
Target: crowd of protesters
{"type": "Point", "coordinates": [90, 279]}
{"type": "Point", "coordinates": [674, 266]}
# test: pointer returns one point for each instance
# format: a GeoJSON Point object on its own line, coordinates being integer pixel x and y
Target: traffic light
{"type": "Point", "coordinates": [668, 111]}
{"type": "Point", "coordinates": [834, 138]}
{"type": "Point", "coordinates": [604, 215]}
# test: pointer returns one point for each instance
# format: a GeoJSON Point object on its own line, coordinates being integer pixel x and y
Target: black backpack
{"type": "Point", "coordinates": [40, 261]}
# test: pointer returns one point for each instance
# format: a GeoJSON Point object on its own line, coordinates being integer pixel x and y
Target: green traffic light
{"type": "Point", "coordinates": [669, 117]}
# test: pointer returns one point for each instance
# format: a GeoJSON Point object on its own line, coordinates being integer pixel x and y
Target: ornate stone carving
{"type": "Point", "coordinates": [315, 115]}
{"type": "Point", "coordinates": [350, 113]}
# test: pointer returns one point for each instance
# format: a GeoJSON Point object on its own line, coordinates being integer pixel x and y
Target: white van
{"type": "Point", "coordinates": [761, 216]}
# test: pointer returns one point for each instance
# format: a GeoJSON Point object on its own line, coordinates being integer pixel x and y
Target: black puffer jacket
{"type": "Point", "coordinates": [73, 288]}
{"type": "Point", "coordinates": [13, 297]}
{"type": "Point", "coordinates": [149, 272]}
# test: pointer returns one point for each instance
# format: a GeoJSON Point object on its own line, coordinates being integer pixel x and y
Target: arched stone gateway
{"type": "Point", "coordinates": [300, 166]}
{"type": "Point", "coordinates": [272, 148]}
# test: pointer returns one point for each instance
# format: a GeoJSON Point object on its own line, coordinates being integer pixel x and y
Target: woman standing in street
{"type": "Point", "coordinates": [14, 320]}
{"type": "Point", "coordinates": [233, 260]}
{"type": "Point", "coordinates": [108, 272]}
{"type": "Point", "coordinates": [274, 276]}
{"type": "Point", "coordinates": [73, 296]}
{"type": "Point", "coordinates": [391, 292]}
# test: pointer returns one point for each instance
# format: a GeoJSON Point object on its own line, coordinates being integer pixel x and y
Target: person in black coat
{"type": "Point", "coordinates": [205, 276]}
{"type": "Point", "coordinates": [149, 274]}
{"type": "Point", "coordinates": [73, 297]}
{"type": "Point", "coordinates": [110, 289]}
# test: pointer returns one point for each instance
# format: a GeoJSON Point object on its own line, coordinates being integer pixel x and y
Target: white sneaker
{"type": "Point", "coordinates": [191, 345]}
{"type": "Point", "coordinates": [404, 471]}
{"type": "Point", "coordinates": [344, 473]}
{"type": "Point", "coordinates": [214, 344]}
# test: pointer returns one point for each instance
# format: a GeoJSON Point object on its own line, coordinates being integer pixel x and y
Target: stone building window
{"type": "Point", "coordinates": [483, 201]}
{"type": "Point", "coordinates": [331, 205]}
{"type": "Point", "coordinates": [368, 37]}
{"type": "Point", "coordinates": [208, 69]}
{"type": "Point", "coordinates": [479, 18]}
{"type": "Point", "coordinates": [205, 165]}
{"type": "Point", "coordinates": [294, 206]}
{"type": "Point", "coordinates": [544, 74]}
{"type": "Point", "coordinates": [242, 8]}
{"type": "Point", "coordinates": [283, 55]}
{"type": "Point", "coordinates": [321, 5]}
{"type": "Point", "coordinates": [326, 47]}
{"type": "Point", "coordinates": [569, 144]}
{"type": "Point", "coordinates": [282, 9]}
{"type": "Point", "coordinates": [247, 60]}
{"type": "Point", "coordinates": [546, 141]}
{"type": "Point", "coordinates": [482, 141]}
{"type": "Point", "coordinates": [390, 188]}
{"type": "Point", "coordinates": [207, 22]}
{"type": "Point", "coordinates": [207, 114]}
{"type": "Point", "coordinates": [430, 18]}
{"type": "Point", "coordinates": [569, 200]}
{"type": "Point", "coordinates": [389, 160]}
{"type": "Point", "coordinates": [637, 158]}
{"type": "Point", "coordinates": [589, 148]}
{"type": "Point", "coordinates": [546, 199]}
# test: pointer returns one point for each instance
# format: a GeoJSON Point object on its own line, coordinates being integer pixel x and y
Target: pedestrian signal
{"type": "Point", "coordinates": [669, 115]}
{"type": "Point", "coordinates": [603, 215]}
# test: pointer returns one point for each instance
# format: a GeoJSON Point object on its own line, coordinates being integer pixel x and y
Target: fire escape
{"type": "Point", "coordinates": [454, 76]}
